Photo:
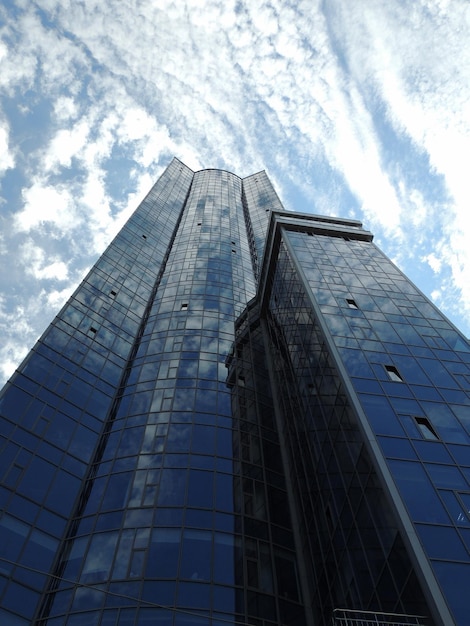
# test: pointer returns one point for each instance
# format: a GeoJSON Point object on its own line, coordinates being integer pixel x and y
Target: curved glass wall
{"type": "Point", "coordinates": [153, 512]}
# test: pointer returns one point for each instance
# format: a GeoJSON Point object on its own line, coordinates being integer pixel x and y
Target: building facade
{"type": "Point", "coordinates": [242, 416]}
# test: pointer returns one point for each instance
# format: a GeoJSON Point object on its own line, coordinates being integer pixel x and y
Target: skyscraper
{"type": "Point", "coordinates": [242, 415]}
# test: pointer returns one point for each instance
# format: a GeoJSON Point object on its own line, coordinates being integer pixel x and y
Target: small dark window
{"type": "Point", "coordinates": [92, 330]}
{"type": "Point", "coordinates": [394, 374]}
{"type": "Point", "coordinates": [113, 294]}
{"type": "Point", "coordinates": [234, 251]}
{"type": "Point", "coordinates": [312, 389]}
{"type": "Point", "coordinates": [351, 303]}
{"type": "Point", "coordinates": [41, 425]}
{"type": "Point", "coordinates": [241, 381]}
{"type": "Point", "coordinates": [184, 306]}
{"type": "Point", "coordinates": [199, 223]}
{"type": "Point", "coordinates": [13, 475]}
{"type": "Point", "coordinates": [426, 429]}
{"type": "Point", "coordinates": [144, 236]}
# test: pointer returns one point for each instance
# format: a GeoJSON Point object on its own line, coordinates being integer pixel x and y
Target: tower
{"type": "Point", "coordinates": [242, 415]}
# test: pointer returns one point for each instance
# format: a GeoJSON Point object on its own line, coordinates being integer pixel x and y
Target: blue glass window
{"type": "Point", "coordinates": [455, 581]}
{"type": "Point", "coordinates": [164, 553]}
{"type": "Point", "coordinates": [417, 491]}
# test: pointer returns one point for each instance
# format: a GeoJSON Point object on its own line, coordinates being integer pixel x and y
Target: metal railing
{"type": "Point", "coordinates": [351, 617]}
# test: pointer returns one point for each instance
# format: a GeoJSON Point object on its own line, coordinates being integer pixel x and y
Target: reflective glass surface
{"type": "Point", "coordinates": [132, 481]}
{"type": "Point", "coordinates": [354, 553]}
{"type": "Point", "coordinates": [409, 368]}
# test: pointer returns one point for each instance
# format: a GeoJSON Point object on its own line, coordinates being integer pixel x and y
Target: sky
{"type": "Point", "coordinates": [357, 109]}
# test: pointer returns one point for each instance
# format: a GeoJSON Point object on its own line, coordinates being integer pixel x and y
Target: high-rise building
{"type": "Point", "coordinates": [242, 416]}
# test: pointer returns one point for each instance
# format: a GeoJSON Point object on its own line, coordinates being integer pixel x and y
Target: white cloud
{"type": "Point", "coordinates": [58, 297]}
{"type": "Point", "coordinates": [39, 264]}
{"type": "Point", "coordinates": [6, 156]}
{"type": "Point", "coordinates": [65, 145]}
{"type": "Point", "coordinates": [65, 108]}
{"type": "Point", "coordinates": [434, 262]}
{"type": "Point", "coordinates": [46, 204]}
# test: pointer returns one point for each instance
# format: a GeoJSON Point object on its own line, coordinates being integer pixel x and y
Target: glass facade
{"type": "Point", "coordinates": [241, 416]}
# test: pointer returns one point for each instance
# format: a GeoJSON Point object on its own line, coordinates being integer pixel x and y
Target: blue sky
{"type": "Point", "coordinates": [356, 109]}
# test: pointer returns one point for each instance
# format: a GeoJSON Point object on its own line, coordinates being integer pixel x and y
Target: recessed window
{"type": "Point", "coordinates": [41, 425]}
{"type": "Point", "coordinates": [351, 303]}
{"type": "Point", "coordinates": [92, 330]}
{"type": "Point", "coordinates": [241, 381]}
{"type": "Point", "coordinates": [144, 236]}
{"type": "Point", "coordinates": [113, 294]}
{"type": "Point", "coordinates": [394, 374]}
{"type": "Point", "coordinates": [13, 475]}
{"type": "Point", "coordinates": [426, 429]}
{"type": "Point", "coordinates": [184, 306]}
